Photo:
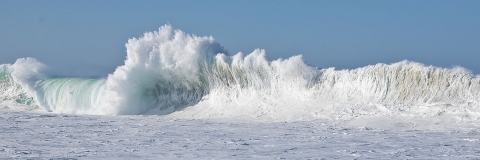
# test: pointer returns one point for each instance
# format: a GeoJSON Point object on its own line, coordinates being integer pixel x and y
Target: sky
{"type": "Point", "coordinates": [87, 38]}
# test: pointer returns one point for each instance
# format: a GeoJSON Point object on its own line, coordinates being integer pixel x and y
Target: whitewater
{"type": "Point", "coordinates": [173, 79]}
{"type": "Point", "coordinates": [169, 71]}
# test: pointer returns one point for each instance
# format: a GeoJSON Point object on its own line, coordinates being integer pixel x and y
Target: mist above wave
{"type": "Point", "coordinates": [172, 72]}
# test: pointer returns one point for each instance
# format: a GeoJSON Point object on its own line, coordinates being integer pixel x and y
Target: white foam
{"type": "Point", "coordinates": [169, 71]}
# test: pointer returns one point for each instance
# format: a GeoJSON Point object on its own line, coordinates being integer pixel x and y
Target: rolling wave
{"type": "Point", "coordinates": [171, 72]}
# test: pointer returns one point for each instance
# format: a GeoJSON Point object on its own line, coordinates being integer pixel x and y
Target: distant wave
{"type": "Point", "coordinates": [169, 71]}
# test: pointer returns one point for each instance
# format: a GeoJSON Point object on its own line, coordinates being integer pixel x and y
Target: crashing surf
{"type": "Point", "coordinates": [172, 72]}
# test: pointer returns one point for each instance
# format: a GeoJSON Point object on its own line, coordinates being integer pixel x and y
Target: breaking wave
{"type": "Point", "coordinates": [169, 72]}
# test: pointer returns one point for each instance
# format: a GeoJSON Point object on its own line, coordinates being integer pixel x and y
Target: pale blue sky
{"type": "Point", "coordinates": [88, 37]}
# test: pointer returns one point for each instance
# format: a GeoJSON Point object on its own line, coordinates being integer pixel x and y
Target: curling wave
{"type": "Point", "coordinates": [171, 72]}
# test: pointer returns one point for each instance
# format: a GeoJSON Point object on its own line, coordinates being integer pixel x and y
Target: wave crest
{"type": "Point", "coordinates": [169, 71]}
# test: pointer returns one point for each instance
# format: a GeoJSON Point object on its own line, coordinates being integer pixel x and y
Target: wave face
{"type": "Point", "coordinates": [11, 94]}
{"type": "Point", "coordinates": [171, 72]}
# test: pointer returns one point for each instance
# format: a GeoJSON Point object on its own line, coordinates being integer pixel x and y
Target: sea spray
{"type": "Point", "coordinates": [12, 95]}
{"type": "Point", "coordinates": [163, 72]}
{"type": "Point", "coordinates": [172, 72]}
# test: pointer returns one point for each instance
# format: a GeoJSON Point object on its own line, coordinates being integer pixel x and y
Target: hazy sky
{"type": "Point", "coordinates": [88, 37]}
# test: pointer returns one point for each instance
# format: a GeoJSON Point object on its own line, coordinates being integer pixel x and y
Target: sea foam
{"type": "Point", "coordinates": [172, 72]}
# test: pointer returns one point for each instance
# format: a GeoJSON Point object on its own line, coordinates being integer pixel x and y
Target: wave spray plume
{"type": "Point", "coordinates": [171, 72]}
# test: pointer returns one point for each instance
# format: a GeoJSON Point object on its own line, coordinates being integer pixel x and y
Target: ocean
{"type": "Point", "coordinates": [174, 78]}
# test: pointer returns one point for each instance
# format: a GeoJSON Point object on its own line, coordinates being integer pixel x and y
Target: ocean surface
{"type": "Point", "coordinates": [174, 78]}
